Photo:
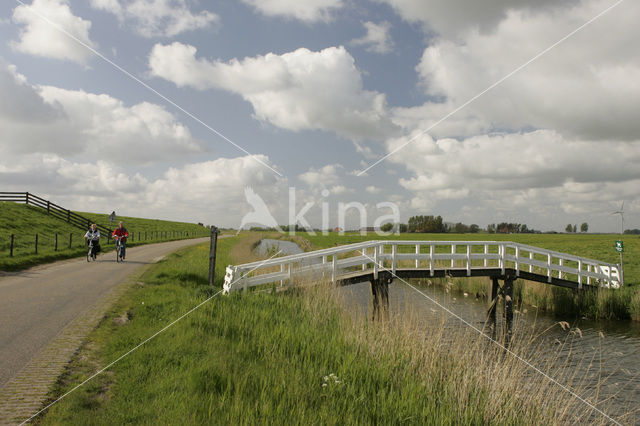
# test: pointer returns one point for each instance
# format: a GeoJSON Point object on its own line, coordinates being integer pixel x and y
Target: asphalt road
{"type": "Point", "coordinates": [36, 304]}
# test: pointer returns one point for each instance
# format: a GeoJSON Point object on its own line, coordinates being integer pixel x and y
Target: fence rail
{"type": "Point", "coordinates": [41, 243]}
{"type": "Point", "coordinates": [338, 263]}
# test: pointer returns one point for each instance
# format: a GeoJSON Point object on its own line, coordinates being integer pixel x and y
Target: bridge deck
{"type": "Point", "coordinates": [368, 275]}
{"type": "Point", "coordinates": [423, 259]}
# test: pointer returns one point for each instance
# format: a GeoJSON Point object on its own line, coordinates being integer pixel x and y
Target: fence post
{"type": "Point", "coordinates": [26, 197]}
{"type": "Point", "coordinates": [212, 254]}
{"type": "Point", "coordinates": [36, 243]}
{"type": "Point", "coordinates": [11, 246]}
{"type": "Point", "coordinates": [68, 215]}
{"type": "Point", "coordinates": [55, 244]}
{"type": "Point", "coordinates": [70, 238]}
{"type": "Point", "coordinates": [48, 206]}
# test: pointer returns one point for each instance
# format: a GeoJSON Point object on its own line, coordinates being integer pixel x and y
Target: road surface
{"type": "Point", "coordinates": [36, 304]}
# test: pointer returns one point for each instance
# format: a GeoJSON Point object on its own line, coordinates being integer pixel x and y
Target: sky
{"type": "Point", "coordinates": [481, 112]}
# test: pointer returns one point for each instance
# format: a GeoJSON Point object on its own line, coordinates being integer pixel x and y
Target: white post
{"type": "Point", "coordinates": [431, 259]}
{"type": "Point", "coordinates": [281, 270]}
{"type": "Point", "coordinates": [580, 274]}
{"type": "Point", "coordinates": [468, 260]}
{"type": "Point", "coordinates": [486, 252]}
{"type": "Point", "coordinates": [549, 267]}
{"type": "Point", "coordinates": [334, 268]}
{"type": "Point", "coordinates": [453, 251]}
{"type": "Point", "coordinates": [502, 258]}
{"type": "Point", "coordinates": [517, 261]}
{"type": "Point", "coordinates": [290, 273]}
{"type": "Point", "coordinates": [588, 273]}
{"type": "Point", "coordinates": [324, 266]}
{"type": "Point", "coordinates": [531, 259]}
{"type": "Point", "coordinates": [375, 262]}
{"type": "Point", "coordinates": [394, 250]}
{"type": "Point", "coordinates": [417, 254]}
{"type": "Point", "coordinates": [560, 263]}
{"type": "Point", "coordinates": [366, 260]}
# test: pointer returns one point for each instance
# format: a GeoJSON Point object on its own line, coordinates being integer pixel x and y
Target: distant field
{"type": "Point", "coordinates": [24, 222]}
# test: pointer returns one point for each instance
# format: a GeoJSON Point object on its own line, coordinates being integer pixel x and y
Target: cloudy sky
{"type": "Point", "coordinates": [171, 108]}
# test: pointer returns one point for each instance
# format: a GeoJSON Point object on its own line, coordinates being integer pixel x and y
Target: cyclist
{"type": "Point", "coordinates": [93, 234]}
{"type": "Point", "coordinates": [122, 234]}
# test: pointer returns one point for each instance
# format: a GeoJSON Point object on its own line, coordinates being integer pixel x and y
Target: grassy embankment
{"type": "Point", "coordinates": [623, 303]}
{"type": "Point", "coordinates": [287, 357]}
{"type": "Point", "coordinates": [26, 221]}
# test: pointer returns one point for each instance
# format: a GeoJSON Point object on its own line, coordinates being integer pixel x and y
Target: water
{"type": "Point", "coordinates": [607, 355]}
{"type": "Point", "coordinates": [269, 247]}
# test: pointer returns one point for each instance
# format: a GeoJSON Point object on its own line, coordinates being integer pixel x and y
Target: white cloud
{"type": "Point", "coordinates": [535, 172]}
{"type": "Point", "coordinates": [587, 87]}
{"type": "Point", "coordinates": [452, 17]}
{"type": "Point", "coordinates": [377, 39]}
{"type": "Point", "coordinates": [322, 177]}
{"type": "Point", "coordinates": [373, 189]}
{"type": "Point", "coordinates": [299, 90]}
{"type": "Point", "coordinates": [210, 191]}
{"type": "Point", "coordinates": [307, 10]}
{"type": "Point", "coordinates": [40, 38]}
{"type": "Point", "coordinates": [158, 18]}
{"type": "Point", "coordinates": [74, 123]}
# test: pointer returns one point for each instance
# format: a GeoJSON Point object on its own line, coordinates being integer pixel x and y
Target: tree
{"type": "Point", "coordinates": [491, 228]}
{"type": "Point", "coordinates": [575, 229]}
{"type": "Point", "coordinates": [387, 227]}
{"type": "Point", "coordinates": [474, 228]}
{"type": "Point", "coordinates": [584, 227]}
{"type": "Point", "coordinates": [569, 228]}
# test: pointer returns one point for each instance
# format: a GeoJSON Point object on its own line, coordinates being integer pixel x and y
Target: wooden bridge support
{"type": "Point", "coordinates": [494, 286]}
{"type": "Point", "coordinates": [508, 310]}
{"type": "Point", "coordinates": [380, 293]}
{"type": "Point", "coordinates": [506, 291]}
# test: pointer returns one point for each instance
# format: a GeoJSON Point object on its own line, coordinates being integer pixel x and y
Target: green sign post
{"type": "Point", "coordinates": [620, 249]}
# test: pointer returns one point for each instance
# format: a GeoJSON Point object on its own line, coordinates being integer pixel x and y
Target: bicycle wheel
{"type": "Point", "coordinates": [89, 255]}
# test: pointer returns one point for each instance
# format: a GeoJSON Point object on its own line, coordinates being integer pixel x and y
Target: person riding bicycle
{"type": "Point", "coordinates": [121, 233]}
{"type": "Point", "coordinates": [93, 234]}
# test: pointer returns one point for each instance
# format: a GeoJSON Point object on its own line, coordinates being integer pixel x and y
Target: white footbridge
{"type": "Point", "coordinates": [389, 259]}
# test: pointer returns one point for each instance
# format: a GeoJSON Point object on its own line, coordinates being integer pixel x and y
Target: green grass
{"type": "Point", "coordinates": [24, 222]}
{"type": "Point", "coordinates": [262, 358]}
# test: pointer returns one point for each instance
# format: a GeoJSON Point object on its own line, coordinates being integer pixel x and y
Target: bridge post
{"type": "Point", "coordinates": [380, 294]}
{"type": "Point", "coordinates": [493, 305]}
{"type": "Point", "coordinates": [508, 309]}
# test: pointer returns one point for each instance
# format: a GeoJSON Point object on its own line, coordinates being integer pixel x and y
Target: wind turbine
{"type": "Point", "coordinates": [621, 213]}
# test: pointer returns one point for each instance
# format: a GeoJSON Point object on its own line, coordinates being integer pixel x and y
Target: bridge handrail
{"type": "Point", "coordinates": [607, 273]}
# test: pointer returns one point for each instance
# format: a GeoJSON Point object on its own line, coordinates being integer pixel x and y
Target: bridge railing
{"type": "Point", "coordinates": [339, 262]}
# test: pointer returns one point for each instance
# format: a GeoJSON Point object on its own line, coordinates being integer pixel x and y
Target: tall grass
{"type": "Point", "coordinates": [289, 357]}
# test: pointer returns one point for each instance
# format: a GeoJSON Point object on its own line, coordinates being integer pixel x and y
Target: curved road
{"type": "Point", "coordinates": [36, 304]}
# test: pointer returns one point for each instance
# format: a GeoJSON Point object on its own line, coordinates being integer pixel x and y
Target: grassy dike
{"type": "Point", "coordinates": [25, 221]}
{"type": "Point", "coordinates": [286, 357]}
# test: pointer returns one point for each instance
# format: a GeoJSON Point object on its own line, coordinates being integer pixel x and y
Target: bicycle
{"type": "Point", "coordinates": [119, 257]}
{"type": "Point", "coordinates": [91, 255]}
